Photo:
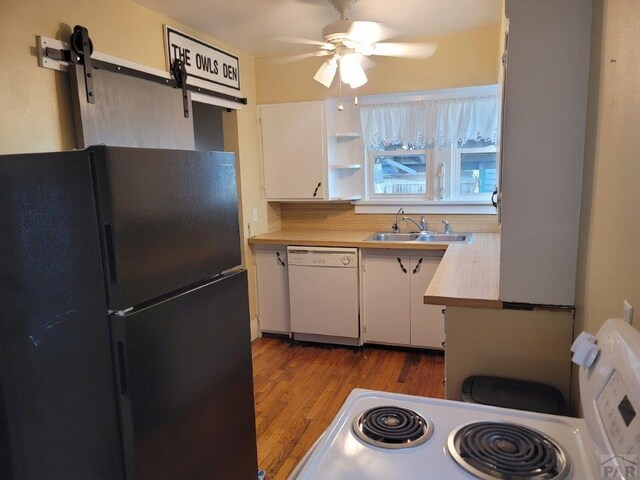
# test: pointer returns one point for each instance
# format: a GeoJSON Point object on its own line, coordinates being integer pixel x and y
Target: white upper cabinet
{"type": "Point", "coordinates": [312, 151]}
{"type": "Point", "coordinates": [294, 151]}
{"type": "Point", "coordinates": [345, 150]}
{"type": "Point", "coordinates": [543, 148]}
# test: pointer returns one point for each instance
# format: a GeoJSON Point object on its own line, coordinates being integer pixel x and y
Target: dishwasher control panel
{"type": "Point", "coordinates": [323, 257]}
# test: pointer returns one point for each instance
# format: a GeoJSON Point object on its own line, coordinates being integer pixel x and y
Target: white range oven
{"type": "Point", "coordinates": [379, 435]}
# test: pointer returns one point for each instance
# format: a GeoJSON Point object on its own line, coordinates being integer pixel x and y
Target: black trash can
{"type": "Point", "coordinates": [517, 394]}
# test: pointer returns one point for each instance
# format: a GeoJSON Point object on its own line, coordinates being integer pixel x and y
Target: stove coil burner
{"type": "Point", "coordinates": [392, 427]}
{"type": "Point", "coordinates": [507, 451]}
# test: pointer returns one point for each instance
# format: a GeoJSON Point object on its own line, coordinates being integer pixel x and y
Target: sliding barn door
{"type": "Point", "coordinates": [129, 112]}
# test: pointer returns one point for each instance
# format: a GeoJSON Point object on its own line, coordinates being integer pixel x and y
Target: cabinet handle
{"type": "Point", "coordinates": [417, 269]}
{"type": "Point", "coordinates": [401, 265]}
{"type": "Point", "coordinates": [444, 382]}
{"type": "Point", "coordinates": [444, 344]}
{"type": "Point", "coordinates": [494, 198]}
{"type": "Point", "coordinates": [315, 192]}
{"type": "Point", "coordinates": [444, 311]}
{"type": "Point", "coordinates": [280, 259]}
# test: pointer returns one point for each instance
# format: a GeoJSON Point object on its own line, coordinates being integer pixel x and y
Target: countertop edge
{"type": "Point", "coordinates": [260, 240]}
{"type": "Point", "coordinates": [464, 302]}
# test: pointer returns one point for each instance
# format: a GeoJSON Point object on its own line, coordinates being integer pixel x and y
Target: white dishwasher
{"type": "Point", "coordinates": [323, 294]}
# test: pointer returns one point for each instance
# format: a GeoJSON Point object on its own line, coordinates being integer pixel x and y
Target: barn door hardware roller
{"type": "Point", "coordinates": [80, 53]}
{"type": "Point", "coordinates": [81, 49]}
{"type": "Point", "coordinates": [179, 72]}
{"type": "Point", "coordinates": [82, 46]}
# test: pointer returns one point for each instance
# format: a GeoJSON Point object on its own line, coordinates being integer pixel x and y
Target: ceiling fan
{"type": "Point", "coordinates": [347, 42]}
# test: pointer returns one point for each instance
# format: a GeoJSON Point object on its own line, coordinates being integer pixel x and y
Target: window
{"type": "Point", "coordinates": [475, 171]}
{"type": "Point", "coordinates": [431, 151]}
{"type": "Point", "coordinates": [401, 173]}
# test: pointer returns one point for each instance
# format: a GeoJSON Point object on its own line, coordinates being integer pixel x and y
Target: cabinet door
{"type": "Point", "coordinates": [427, 321]}
{"type": "Point", "coordinates": [386, 299]}
{"type": "Point", "coordinates": [273, 289]}
{"type": "Point", "coordinates": [536, 268]}
{"type": "Point", "coordinates": [294, 150]}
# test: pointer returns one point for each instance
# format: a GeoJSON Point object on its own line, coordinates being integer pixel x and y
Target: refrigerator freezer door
{"type": "Point", "coordinates": [186, 385]}
{"type": "Point", "coordinates": [58, 408]}
{"type": "Point", "coordinates": [170, 219]}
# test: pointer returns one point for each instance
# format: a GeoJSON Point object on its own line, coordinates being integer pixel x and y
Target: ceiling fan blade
{"type": "Point", "coordinates": [299, 56]}
{"type": "Point", "coordinates": [305, 41]}
{"type": "Point", "coordinates": [367, 33]}
{"type": "Point", "coordinates": [407, 50]}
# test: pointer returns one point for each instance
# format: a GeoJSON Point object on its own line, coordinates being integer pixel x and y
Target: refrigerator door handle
{"type": "Point", "coordinates": [111, 253]}
{"type": "Point", "coordinates": [119, 349]}
{"type": "Point", "coordinates": [122, 381]}
{"type": "Point", "coordinates": [122, 369]}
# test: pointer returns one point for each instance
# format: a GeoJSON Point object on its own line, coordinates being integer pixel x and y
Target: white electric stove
{"type": "Point", "coordinates": [379, 435]}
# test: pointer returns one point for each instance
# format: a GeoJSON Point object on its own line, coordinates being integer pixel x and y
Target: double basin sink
{"type": "Point", "coordinates": [421, 237]}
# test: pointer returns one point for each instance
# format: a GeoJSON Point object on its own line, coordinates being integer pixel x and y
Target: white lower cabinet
{"type": "Point", "coordinates": [393, 310]}
{"type": "Point", "coordinates": [273, 289]}
{"type": "Point", "coordinates": [387, 302]}
{"type": "Point", "coordinates": [427, 321]}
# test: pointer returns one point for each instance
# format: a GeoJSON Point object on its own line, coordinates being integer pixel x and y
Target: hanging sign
{"type": "Point", "coordinates": [202, 61]}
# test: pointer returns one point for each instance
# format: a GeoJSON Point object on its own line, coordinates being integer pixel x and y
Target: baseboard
{"type": "Point", "coordinates": [255, 329]}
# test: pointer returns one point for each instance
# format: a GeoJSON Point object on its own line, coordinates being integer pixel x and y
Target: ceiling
{"type": "Point", "coordinates": [254, 25]}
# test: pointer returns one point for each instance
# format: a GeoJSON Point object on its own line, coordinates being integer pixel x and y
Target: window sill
{"type": "Point", "coordinates": [463, 207]}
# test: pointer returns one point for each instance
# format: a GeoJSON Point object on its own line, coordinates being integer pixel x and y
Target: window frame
{"type": "Point", "coordinates": [455, 162]}
{"type": "Point", "coordinates": [400, 152]}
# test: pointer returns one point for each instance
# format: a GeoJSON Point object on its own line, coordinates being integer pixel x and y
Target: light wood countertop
{"type": "Point", "coordinates": [468, 275]}
{"type": "Point", "coordinates": [324, 238]}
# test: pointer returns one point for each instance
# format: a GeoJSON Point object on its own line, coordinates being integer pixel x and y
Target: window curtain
{"type": "Point", "coordinates": [426, 123]}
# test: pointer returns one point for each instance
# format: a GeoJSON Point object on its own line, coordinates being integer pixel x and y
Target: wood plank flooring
{"type": "Point", "coordinates": [300, 387]}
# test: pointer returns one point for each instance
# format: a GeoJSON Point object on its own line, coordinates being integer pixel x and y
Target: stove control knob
{"type": "Point", "coordinates": [346, 260]}
{"type": "Point", "coordinates": [585, 354]}
{"type": "Point", "coordinates": [582, 338]}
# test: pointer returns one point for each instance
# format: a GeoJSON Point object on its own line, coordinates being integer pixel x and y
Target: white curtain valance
{"type": "Point", "coordinates": [424, 123]}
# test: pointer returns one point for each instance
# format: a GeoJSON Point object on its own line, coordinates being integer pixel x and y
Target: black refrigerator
{"type": "Point", "coordinates": [124, 324]}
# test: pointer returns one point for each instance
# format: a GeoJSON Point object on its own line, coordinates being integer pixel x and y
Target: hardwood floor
{"type": "Point", "coordinates": [299, 388]}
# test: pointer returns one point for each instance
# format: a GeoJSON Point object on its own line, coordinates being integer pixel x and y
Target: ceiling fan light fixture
{"type": "Point", "coordinates": [351, 72]}
{"type": "Point", "coordinates": [327, 72]}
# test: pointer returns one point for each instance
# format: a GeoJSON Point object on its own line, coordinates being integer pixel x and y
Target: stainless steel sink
{"type": "Point", "coordinates": [422, 237]}
{"type": "Point", "coordinates": [393, 237]}
{"type": "Point", "coordinates": [444, 237]}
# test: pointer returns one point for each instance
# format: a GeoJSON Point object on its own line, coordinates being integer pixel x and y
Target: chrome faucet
{"type": "Point", "coordinates": [395, 228]}
{"type": "Point", "coordinates": [447, 228]}
{"type": "Point", "coordinates": [422, 225]}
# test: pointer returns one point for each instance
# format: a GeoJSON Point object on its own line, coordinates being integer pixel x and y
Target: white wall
{"type": "Point", "coordinates": [609, 256]}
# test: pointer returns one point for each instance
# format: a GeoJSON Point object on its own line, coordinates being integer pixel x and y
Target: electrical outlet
{"type": "Point", "coordinates": [627, 312]}
{"type": "Point", "coordinates": [255, 215]}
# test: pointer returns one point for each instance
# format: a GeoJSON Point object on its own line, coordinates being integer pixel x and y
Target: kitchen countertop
{"type": "Point", "coordinates": [468, 275]}
{"type": "Point", "coordinates": [324, 238]}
